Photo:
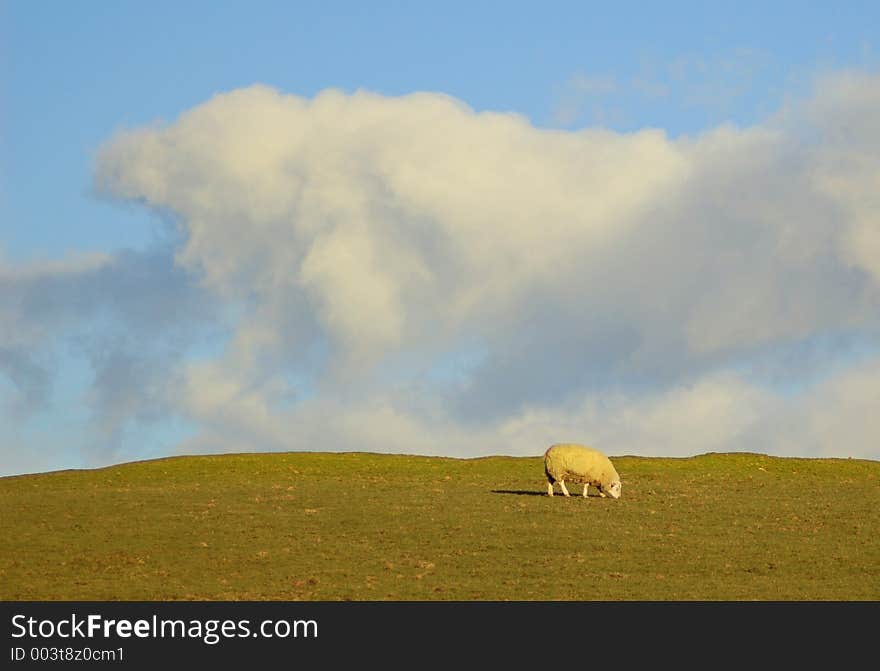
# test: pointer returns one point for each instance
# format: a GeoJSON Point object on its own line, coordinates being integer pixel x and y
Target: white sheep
{"type": "Point", "coordinates": [577, 463]}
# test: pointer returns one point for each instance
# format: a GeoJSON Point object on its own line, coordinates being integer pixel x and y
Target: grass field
{"type": "Point", "coordinates": [358, 526]}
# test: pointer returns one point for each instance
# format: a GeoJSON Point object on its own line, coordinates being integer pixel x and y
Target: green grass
{"type": "Point", "coordinates": [358, 526]}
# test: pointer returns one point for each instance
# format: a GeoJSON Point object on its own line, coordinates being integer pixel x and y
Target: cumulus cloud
{"type": "Point", "coordinates": [848, 168]}
{"type": "Point", "coordinates": [405, 274]}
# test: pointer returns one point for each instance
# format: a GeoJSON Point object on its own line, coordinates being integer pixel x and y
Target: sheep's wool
{"type": "Point", "coordinates": [580, 464]}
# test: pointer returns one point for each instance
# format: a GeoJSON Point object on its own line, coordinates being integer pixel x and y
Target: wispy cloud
{"type": "Point", "coordinates": [127, 319]}
{"type": "Point", "coordinates": [715, 86]}
{"type": "Point", "coordinates": [582, 91]}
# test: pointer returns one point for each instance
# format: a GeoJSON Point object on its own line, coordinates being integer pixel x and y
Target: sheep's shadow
{"type": "Point", "coordinates": [519, 492]}
{"type": "Point", "coordinates": [531, 492]}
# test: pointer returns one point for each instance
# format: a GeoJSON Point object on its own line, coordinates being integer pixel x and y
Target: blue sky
{"type": "Point", "coordinates": [136, 325]}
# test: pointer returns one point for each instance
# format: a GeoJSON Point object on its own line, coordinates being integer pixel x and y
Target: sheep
{"type": "Point", "coordinates": [577, 463]}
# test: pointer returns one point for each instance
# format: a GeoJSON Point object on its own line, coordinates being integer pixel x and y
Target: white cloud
{"type": "Point", "coordinates": [839, 417]}
{"type": "Point", "coordinates": [398, 230]}
{"type": "Point", "coordinates": [720, 412]}
{"type": "Point", "coordinates": [397, 218]}
{"type": "Point", "coordinates": [405, 274]}
{"type": "Point", "coordinates": [848, 161]}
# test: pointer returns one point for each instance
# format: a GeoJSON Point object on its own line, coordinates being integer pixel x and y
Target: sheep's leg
{"type": "Point", "coordinates": [549, 488]}
{"type": "Point", "coordinates": [586, 488]}
{"type": "Point", "coordinates": [562, 485]}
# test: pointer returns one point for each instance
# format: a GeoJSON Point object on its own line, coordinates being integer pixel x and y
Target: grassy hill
{"type": "Point", "coordinates": [358, 526]}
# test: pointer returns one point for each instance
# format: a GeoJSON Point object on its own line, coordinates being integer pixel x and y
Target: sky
{"type": "Point", "coordinates": [453, 229]}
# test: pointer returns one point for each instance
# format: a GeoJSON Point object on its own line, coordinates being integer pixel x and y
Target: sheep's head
{"type": "Point", "coordinates": [613, 489]}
